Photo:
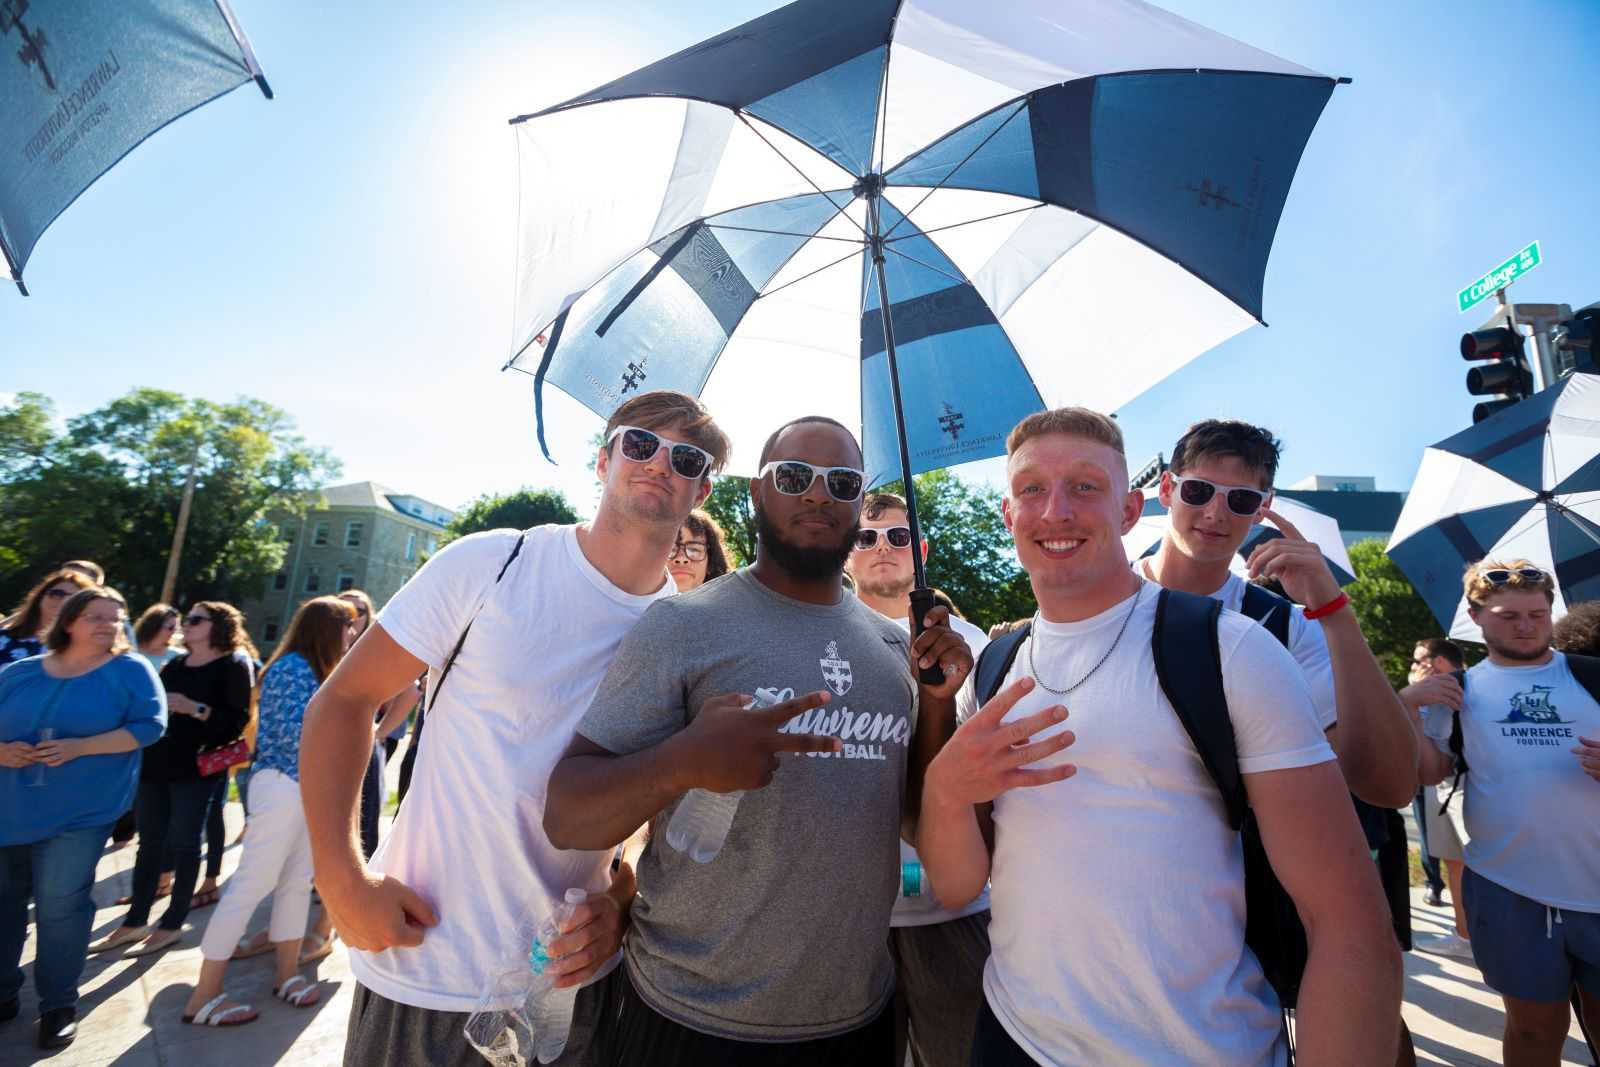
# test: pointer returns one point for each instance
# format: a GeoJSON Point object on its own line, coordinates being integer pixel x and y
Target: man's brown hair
{"type": "Point", "coordinates": [1436, 647]}
{"type": "Point", "coordinates": [1479, 589]}
{"type": "Point", "coordinates": [1579, 629]}
{"type": "Point", "coordinates": [876, 504]}
{"type": "Point", "coordinates": [1073, 421]}
{"type": "Point", "coordinates": [660, 408]}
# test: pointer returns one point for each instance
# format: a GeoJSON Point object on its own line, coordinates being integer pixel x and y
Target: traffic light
{"type": "Point", "coordinates": [1575, 345]}
{"type": "Point", "coordinates": [1506, 376]}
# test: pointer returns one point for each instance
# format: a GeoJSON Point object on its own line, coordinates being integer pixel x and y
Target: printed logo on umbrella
{"type": "Point", "coordinates": [952, 422]}
{"type": "Point", "coordinates": [34, 42]}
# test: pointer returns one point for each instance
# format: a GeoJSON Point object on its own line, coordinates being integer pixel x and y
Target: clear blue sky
{"type": "Point", "coordinates": [346, 250]}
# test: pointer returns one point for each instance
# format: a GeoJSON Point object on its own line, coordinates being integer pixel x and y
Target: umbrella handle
{"type": "Point", "coordinates": [922, 602]}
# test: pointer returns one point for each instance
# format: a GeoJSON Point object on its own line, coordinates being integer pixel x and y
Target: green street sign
{"type": "Point", "coordinates": [1500, 277]}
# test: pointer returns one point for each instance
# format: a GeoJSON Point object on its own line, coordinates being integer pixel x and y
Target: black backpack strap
{"type": "Point", "coordinates": [1586, 671]}
{"type": "Point", "coordinates": [1193, 685]}
{"type": "Point", "coordinates": [1456, 744]}
{"type": "Point", "coordinates": [1269, 609]}
{"type": "Point", "coordinates": [995, 661]}
{"type": "Point", "coordinates": [516, 550]}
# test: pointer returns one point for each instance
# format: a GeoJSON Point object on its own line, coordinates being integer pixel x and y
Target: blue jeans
{"type": "Point", "coordinates": [57, 874]}
{"type": "Point", "coordinates": [170, 814]}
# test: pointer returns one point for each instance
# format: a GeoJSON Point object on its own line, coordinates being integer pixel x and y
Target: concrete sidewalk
{"type": "Point", "coordinates": [130, 1008]}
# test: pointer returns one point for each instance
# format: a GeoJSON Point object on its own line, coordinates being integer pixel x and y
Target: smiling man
{"type": "Point", "coordinates": [773, 950]}
{"type": "Point", "coordinates": [1094, 961]}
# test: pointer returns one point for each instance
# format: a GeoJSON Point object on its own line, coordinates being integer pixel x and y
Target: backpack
{"type": "Point", "coordinates": [1193, 685]}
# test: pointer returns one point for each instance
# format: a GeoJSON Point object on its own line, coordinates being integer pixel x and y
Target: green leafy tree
{"type": "Point", "coordinates": [518, 510]}
{"type": "Point", "coordinates": [1392, 615]}
{"type": "Point", "coordinates": [108, 489]}
{"type": "Point", "coordinates": [729, 504]}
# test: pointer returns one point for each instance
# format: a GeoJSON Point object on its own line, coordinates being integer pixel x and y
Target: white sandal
{"type": "Point", "coordinates": [295, 989]}
{"type": "Point", "coordinates": [209, 1016]}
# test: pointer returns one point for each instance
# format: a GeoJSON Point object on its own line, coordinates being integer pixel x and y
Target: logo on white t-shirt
{"type": "Point", "coordinates": [1533, 720]}
{"type": "Point", "coordinates": [836, 671]}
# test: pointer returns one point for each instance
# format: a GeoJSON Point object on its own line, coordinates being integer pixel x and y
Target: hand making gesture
{"type": "Point", "coordinates": [987, 757]}
{"type": "Point", "coordinates": [731, 746]}
{"type": "Point", "coordinates": [1297, 564]}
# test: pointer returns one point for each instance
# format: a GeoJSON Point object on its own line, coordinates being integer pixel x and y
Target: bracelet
{"type": "Point", "coordinates": [1330, 607]}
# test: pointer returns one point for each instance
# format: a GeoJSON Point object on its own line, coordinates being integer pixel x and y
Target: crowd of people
{"type": "Point", "coordinates": [1155, 823]}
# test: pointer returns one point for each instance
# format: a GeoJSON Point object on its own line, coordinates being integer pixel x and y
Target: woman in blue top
{"type": "Point", "coordinates": [277, 854]}
{"type": "Point", "coordinates": [59, 798]}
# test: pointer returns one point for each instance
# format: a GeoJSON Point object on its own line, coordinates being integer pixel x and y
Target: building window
{"type": "Point", "coordinates": [320, 537]}
{"type": "Point", "coordinates": [433, 545]}
{"type": "Point", "coordinates": [269, 632]}
{"type": "Point", "coordinates": [280, 581]}
{"type": "Point", "coordinates": [1346, 487]}
{"type": "Point", "coordinates": [313, 580]}
{"type": "Point", "coordinates": [352, 534]}
{"type": "Point", "coordinates": [286, 532]}
{"type": "Point", "coordinates": [411, 547]}
{"type": "Point", "coordinates": [345, 581]}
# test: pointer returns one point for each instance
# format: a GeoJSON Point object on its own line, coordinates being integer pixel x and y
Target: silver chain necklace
{"type": "Point", "coordinates": [1114, 642]}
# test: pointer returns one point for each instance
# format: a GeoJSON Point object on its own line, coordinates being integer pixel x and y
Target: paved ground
{"type": "Point", "coordinates": [131, 1007]}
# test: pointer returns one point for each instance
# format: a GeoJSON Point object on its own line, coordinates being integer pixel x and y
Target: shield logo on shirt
{"type": "Point", "coordinates": [836, 671]}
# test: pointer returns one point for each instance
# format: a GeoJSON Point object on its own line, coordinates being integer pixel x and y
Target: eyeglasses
{"type": "Point", "coordinates": [195, 620]}
{"type": "Point", "coordinates": [694, 551]}
{"type": "Point", "coordinates": [1241, 499]}
{"type": "Point", "coordinates": [792, 477]}
{"type": "Point", "coordinates": [897, 536]}
{"type": "Point", "coordinates": [56, 594]}
{"type": "Point", "coordinates": [1502, 576]}
{"type": "Point", "coordinates": [638, 445]}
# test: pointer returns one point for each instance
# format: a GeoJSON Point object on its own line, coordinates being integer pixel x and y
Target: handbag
{"type": "Point", "coordinates": [215, 760]}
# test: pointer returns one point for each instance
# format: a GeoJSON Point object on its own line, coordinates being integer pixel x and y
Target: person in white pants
{"type": "Point", "coordinates": [277, 854]}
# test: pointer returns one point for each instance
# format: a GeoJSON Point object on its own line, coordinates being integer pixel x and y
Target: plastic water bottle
{"type": "Point", "coordinates": [700, 825]}
{"type": "Point", "coordinates": [550, 1009]}
{"type": "Point", "coordinates": [537, 1026]}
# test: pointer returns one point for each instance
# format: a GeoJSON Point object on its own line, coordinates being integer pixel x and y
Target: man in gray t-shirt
{"type": "Point", "coordinates": [777, 945]}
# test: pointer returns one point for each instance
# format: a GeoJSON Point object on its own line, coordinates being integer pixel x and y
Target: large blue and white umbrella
{"type": "Point", "coordinates": [1058, 202]}
{"type": "Point", "coordinates": [83, 82]}
{"type": "Point", "coordinates": [1525, 484]}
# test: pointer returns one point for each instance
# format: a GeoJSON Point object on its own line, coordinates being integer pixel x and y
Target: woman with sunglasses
{"type": "Point", "coordinates": [208, 704]}
{"type": "Point", "coordinates": [699, 554]}
{"type": "Point", "coordinates": [59, 797]}
{"type": "Point", "coordinates": [31, 621]}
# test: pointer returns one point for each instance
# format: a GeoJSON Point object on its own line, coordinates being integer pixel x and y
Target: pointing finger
{"type": "Point", "coordinates": [1017, 733]}
{"type": "Point", "coordinates": [1026, 754]}
{"type": "Point", "coordinates": [1044, 776]}
{"type": "Point", "coordinates": [779, 714]}
{"type": "Point", "coordinates": [1004, 701]}
{"type": "Point", "coordinates": [806, 743]}
{"type": "Point", "coordinates": [1283, 524]}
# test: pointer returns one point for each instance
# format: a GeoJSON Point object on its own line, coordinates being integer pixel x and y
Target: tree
{"type": "Point", "coordinates": [108, 489]}
{"type": "Point", "coordinates": [729, 504]}
{"type": "Point", "coordinates": [518, 510]}
{"type": "Point", "coordinates": [1392, 615]}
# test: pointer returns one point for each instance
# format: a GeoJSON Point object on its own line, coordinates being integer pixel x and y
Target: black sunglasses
{"type": "Point", "coordinates": [638, 445]}
{"type": "Point", "coordinates": [196, 620]}
{"type": "Point", "coordinates": [897, 536]}
{"type": "Point", "coordinates": [792, 477]}
{"type": "Point", "coordinates": [1241, 500]}
{"type": "Point", "coordinates": [1502, 576]}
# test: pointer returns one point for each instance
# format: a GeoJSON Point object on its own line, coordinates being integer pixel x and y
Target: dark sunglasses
{"type": "Point", "coordinates": [1502, 576]}
{"type": "Point", "coordinates": [638, 445]}
{"type": "Point", "coordinates": [195, 620]}
{"type": "Point", "coordinates": [1241, 500]}
{"type": "Point", "coordinates": [56, 594]}
{"type": "Point", "coordinates": [897, 536]}
{"type": "Point", "coordinates": [792, 477]}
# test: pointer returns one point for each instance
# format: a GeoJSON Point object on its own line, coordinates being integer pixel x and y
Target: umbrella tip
{"type": "Point", "coordinates": [266, 90]}
{"type": "Point", "coordinates": [1343, 81]}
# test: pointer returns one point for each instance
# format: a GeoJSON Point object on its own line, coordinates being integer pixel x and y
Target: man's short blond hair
{"type": "Point", "coordinates": [660, 408]}
{"type": "Point", "coordinates": [1075, 422]}
{"type": "Point", "coordinates": [1479, 589]}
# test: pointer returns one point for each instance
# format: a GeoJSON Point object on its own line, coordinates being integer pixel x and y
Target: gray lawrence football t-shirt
{"type": "Point", "coordinates": [784, 936]}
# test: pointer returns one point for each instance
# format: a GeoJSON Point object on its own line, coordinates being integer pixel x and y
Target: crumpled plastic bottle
{"type": "Point", "coordinates": [536, 1027]}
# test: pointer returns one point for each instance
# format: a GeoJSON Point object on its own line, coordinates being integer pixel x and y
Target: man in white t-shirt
{"type": "Point", "coordinates": [433, 921]}
{"type": "Point", "coordinates": [1218, 488]}
{"type": "Point", "coordinates": [1530, 739]}
{"type": "Point", "coordinates": [938, 951]}
{"type": "Point", "coordinates": [1117, 895]}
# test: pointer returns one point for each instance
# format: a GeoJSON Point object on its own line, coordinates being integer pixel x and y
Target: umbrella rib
{"type": "Point", "coordinates": [969, 222]}
{"type": "Point", "coordinates": [751, 126]}
{"type": "Point", "coordinates": [784, 233]}
{"type": "Point", "coordinates": [808, 274]}
{"type": "Point", "coordinates": [953, 170]}
{"type": "Point", "coordinates": [930, 266]}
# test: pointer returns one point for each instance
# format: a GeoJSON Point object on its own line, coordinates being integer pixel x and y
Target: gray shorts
{"type": "Point", "coordinates": [1444, 839]}
{"type": "Point", "coordinates": [384, 1032]}
{"type": "Point", "coordinates": [1527, 950]}
{"type": "Point", "coordinates": [938, 989]}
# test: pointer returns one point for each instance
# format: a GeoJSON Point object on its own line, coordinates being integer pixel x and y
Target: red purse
{"type": "Point", "coordinates": [215, 760]}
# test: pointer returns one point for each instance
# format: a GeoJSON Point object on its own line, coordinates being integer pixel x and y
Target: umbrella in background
{"type": "Point", "coordinates": [1320, 529]}
{"type": "Point", "coordinates": [85, 81]}
{"type": "Point", "coordinates": [925, 218]}
{"type": "Point", "coordinates": [1524, 483]}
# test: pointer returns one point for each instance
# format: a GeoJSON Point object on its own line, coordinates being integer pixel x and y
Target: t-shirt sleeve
{"type": "Point", "coordinates": [967, 699]}
{"type": "Point", "coordinates": [429, 612]}
{"type": "Point", "coordinates": [1275, 723]}
{"type": "Point", "coordinates": [642, 700]}
{"type": "Point", "coordinates": [1436, 723]}
{"type": "Point", "coordinates": [146, 714]}
{"type": "Point", "coordinates": [1309, 646]}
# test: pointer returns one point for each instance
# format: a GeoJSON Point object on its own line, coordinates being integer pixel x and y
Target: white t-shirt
{"type": "Point", "coordinates": [1307, 644]}
{"type": "Point", "coordinates": [470, 837]}
{"type": "Point", "coordinates": [1532, 815]}
{"type": "Point", "coordinates": [925, 910]}
{"type": "Point", "coordinates": [1118, 905]}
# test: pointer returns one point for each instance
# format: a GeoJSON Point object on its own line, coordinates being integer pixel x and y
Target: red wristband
{"type": "Point", "coordinates": [1330, 607]}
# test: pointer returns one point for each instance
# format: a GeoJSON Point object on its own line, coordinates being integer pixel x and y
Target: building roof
{"type": "Point", "coordinates": [376, 495]}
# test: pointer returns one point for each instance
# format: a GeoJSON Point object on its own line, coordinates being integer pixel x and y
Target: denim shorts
{"type": "Point", "coordinates": [1527, 950]}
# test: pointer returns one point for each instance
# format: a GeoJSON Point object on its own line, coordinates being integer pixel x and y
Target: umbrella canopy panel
{"type": "Point", "coordinates": [1322, 530]}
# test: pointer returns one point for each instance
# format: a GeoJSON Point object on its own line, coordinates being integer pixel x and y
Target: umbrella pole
{"type": "Point", "coordinates": [16, 271]}
{"type": "Point", "coordinates": [921, 595]}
